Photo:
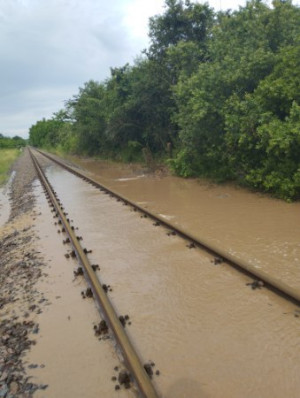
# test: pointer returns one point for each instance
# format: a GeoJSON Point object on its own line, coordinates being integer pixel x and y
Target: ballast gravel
{"type": "Point", "coordinates": [20, 267]}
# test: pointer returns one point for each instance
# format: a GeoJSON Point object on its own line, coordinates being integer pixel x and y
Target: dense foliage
{"type": "Point", "coordinates": [14, 142]}
{"type": "Point", "coordinates": [221, 89]}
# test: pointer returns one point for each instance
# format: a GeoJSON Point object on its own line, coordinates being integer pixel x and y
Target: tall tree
{"type": "Point", "coordinates": [88, 114]}
{"type": "Point", "coordinates": [181, 22]}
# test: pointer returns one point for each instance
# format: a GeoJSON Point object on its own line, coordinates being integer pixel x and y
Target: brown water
{"type": "Point", "coordinates": [4, 201]}
{"type": "Point", "coordinates": [4, 207]}
{"type": "Point", "coordinates": [257, 228]}
{"type": "Point", "coordinates": [209, 334]}
{"type": "Point", "coordinates": [74, 363]}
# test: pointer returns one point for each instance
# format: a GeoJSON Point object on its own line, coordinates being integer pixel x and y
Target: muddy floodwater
{"type": "Point", "coordinates": [4, 201]}
{"type": "Point", "coordinates": [208, 333]}
{"type": "Point", "coordinates": [255, 227]}
{"type": "Point", "coordinates": [74, 363]}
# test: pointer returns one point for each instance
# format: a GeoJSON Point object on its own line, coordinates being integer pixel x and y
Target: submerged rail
{"type": "Point", "coordinates": [135, 365]}
{"type": "Point", "coordinates": [272, 283]}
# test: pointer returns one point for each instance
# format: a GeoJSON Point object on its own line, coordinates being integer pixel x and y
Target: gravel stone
{"type": "Point", "coordinates": [20, 268]}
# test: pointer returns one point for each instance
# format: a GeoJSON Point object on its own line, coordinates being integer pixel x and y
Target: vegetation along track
{"type": "Point", "coordinates": [260, 277]}
{"type": "Point", "coordinates": [131, 358]}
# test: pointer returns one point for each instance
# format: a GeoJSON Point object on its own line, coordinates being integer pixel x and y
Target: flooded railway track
{"type": "Point", "coordinates": [208, 310]}
{"type": "Point", "coordinates": [98, 292]}
{"type": "Point", "coordinates": [260, 278]}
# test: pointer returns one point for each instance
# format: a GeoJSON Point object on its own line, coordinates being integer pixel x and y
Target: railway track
{"type": "Point", "coordinates": [136, 369]}
{"type": "Point", "coordinates": [129, 353]}
{"type": "Point", "coordinates": [260, 278]}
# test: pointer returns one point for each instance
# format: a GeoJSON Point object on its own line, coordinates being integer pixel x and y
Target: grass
{"type": "Point", "coordinates": [7, 158]}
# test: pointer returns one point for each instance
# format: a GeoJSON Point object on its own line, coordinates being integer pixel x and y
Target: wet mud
{"type": "Point", "coordinates": [208, 329]}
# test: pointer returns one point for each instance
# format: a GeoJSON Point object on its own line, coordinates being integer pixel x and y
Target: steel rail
{"type": "Point", "coordinates": [135, 365]}
{"type": "Point", "coordinates": [242, 265]}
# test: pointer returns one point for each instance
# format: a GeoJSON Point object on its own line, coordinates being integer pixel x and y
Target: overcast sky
{"type": "Point", "coordinates": [49, 48]}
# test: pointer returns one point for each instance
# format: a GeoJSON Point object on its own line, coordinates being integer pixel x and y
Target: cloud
{"type": "Point", "coordinates": [49, 48]}
{"type": "Point", "coordinates": [136, 17]}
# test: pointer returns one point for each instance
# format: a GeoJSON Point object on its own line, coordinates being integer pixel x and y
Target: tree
{"type": "Point", "coordinates": [223, 88]}
{"type": "Point", "coordinates": [45, 133]}
{"type": "Point", "coordinates": [88, 115]}
{"type": "Point", "coordinates": [263, 130]}
{"type": "Point", "coordinates": [181, 22]}
{"type": "Point", "coordinates": [241, 56]}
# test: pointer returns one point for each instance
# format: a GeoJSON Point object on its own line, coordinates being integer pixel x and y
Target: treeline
{"type": "Point", "coordinates": [217, 94]}
{"type": "Point", "coordinates": [12, 142]}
